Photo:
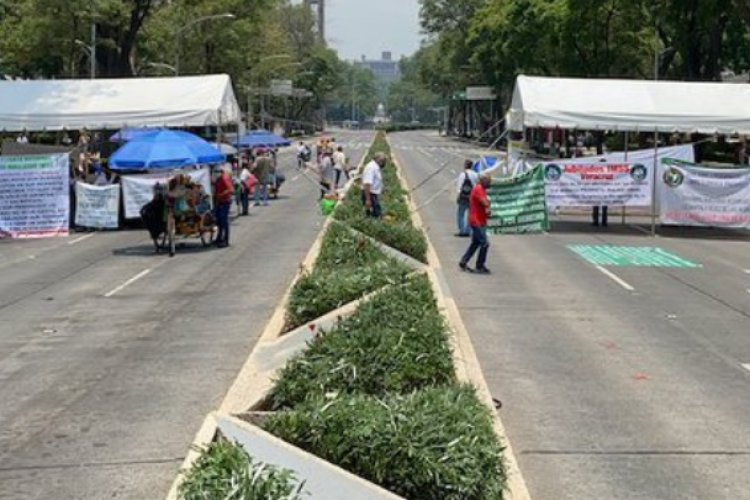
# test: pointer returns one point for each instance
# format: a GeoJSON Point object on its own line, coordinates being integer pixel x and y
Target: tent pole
{"type": "Point", "coordinates": [626, 159]}
{"type": "Point", "coordinates": [653, 183]}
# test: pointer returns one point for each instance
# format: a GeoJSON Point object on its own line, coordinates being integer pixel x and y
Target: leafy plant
{"type": "Point", "coordinates": [225, 471]}
{"type": "Point", "coordinates": [395, 342]}
{"type": "Point", "coordinates": [436, 443]}
{"type": "Point", "coordinates": [349, 266]}
{"type": "Point", "coordinates": [396, 229]}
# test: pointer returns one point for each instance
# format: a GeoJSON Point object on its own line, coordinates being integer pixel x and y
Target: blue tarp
{"type": "Point", "coordinates": [262, 139]}
{"type": "Point", "coordinates": [164, 149]}
{"type": "Point", "coordinates": [128, 134]}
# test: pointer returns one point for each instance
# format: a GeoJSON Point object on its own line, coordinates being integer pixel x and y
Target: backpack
{"type": "Point", "coordinates": [465, 193]}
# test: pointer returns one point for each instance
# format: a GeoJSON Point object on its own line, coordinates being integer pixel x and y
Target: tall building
{"type": "Point", "coordinates": [320, 17]}
{"type": "Point", "coordinates": [385, 69]}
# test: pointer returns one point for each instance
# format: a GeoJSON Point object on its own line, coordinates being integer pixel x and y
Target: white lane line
{"type": "Point", "coordinates": [746, 366]}
{"type": "Point", "coordinates": [746, 271]}
{"type": "Point", "coordinates": [615, 278]}
{"type": "Point", "coordinates": [82, 238]}
{"type": "Point", "coordinates": [128, 282]}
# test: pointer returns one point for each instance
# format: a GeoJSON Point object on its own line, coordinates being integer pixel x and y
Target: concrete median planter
{"type": "Point", "coordinates": [241, 415]}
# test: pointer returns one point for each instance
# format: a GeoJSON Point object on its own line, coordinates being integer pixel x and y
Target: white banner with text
{"type": "Point", "coordinates": [137, 190]}
{"type": "Point", "coordinates": [34, 196]}
{"type": "Point", "coordinates": [696, 195]}
{"type": "Point", "coordinates": [97, 206]}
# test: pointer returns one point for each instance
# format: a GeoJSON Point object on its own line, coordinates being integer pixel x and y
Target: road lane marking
{"type": "Point", "coordinates": [746, 271]}
{"type": "Point", "coordinates": [616, 278]}
{"type": "Point", "coordinates": [127, 283]}
{"type": "Point", "coordinates": [82, 238]}
{"type": "Point", "coordinates": [746, 366]}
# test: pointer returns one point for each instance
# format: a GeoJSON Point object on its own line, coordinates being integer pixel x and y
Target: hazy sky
{"type": "Point", "coordinates": [368, 27]}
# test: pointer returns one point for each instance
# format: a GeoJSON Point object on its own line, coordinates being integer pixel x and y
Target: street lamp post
{"type": "Point", "coordinates": [178, 34]}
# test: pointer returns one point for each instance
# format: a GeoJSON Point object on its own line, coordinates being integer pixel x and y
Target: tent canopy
{"type": "Point", "coordinates": [262, 139]}
{"type": "Point", "coordinates": [630, 105]}
{"type": "Point", "coordinates": [190, 101]}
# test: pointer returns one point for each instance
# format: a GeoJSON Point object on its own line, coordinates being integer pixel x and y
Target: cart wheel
{"type": "Point", "coordinates": [208, 236]}
{"type": "Point", "coordinates": [171, 234]}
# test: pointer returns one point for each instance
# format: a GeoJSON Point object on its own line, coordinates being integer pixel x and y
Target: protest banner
{"type": "Point", "coordinates": [596, 184]}
{"type": "Point", "coordinates": [696, 195]}
{"type": "Point", "coordinates": [34, 196]}
{"type": "Point", "coordinates": [518, 204]}
{"type": "Point", "coordinates": [137, 190]}
{"type": "Point", "coordinates": [97, 206]}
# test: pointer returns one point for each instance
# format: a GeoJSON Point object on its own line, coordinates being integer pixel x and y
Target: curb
{"type": "Point", "coordinates": [465, 357]}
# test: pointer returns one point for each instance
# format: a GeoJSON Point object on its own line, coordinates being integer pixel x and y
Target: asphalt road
{"type": "Point", "coordinates": [111, 356]}
{"type": "Point", "coordinates": [616, 383]}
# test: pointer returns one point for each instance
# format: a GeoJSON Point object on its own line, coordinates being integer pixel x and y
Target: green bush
{"type": "Point", "coordinates": [395, 342]}
{"type": "Point", "coordinates": [433, 444]}
{"type": "Point", "coordinates": [348, 267]}
{"type": "Point", "coordinates": [224, 471]}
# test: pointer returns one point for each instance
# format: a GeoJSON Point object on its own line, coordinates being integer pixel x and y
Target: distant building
{"type": "Point", "coordinates": [385, 70]}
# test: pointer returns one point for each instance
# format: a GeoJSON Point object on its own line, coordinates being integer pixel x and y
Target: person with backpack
{"type": "Point", "coordinates": [465, 183]}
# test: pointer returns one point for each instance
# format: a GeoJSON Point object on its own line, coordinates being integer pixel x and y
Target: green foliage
{"type": "Point", "coordinates": [395, 342]}
{"type": "Point", "coordinates": [224, 471]}
{"type": "Point", "coordinates": [396, 229]}
{"type": "Point", "coordinates": [348, 267]}
{"type": "Point", "coordinates": [436, 443]}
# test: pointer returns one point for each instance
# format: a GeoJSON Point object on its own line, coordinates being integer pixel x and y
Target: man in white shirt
{"type": "Point", "coordinates": [464, 184]}
{"type": "Point", "coordinates": [372, 185]}
{"type": "Point", "coordinates": [339, 164]}
{"type": "Point", "coordinates": [326, 175]}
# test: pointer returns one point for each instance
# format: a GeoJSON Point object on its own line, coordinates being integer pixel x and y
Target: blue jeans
{"type": "Point", "coordinates": [222, 221]}
{"type": "Point", "coordinates": [479, 242]}
{"type": "Point", "coordinates": [261, 191]}
{"type": "Point", "coordinates": [463, 219]}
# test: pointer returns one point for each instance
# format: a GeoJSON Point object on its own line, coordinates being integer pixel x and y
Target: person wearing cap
{"type": "Point", "coordinates": [224, 194]}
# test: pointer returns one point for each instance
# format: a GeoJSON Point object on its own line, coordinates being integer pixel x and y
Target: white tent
{"type": "Point", "coordinates": [115, 103]}
{"type": "Point", "coordinates": [630, 105]}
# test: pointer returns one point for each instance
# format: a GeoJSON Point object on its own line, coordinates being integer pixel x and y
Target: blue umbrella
{"type": "Point", "coordinates": [262, 139]}
{"type": "Point", "coordinates": [165, 149]}
{"type": "Point", "coordinates": [128, 134]}
{"type": "Point", "coordinates": [486, 163]}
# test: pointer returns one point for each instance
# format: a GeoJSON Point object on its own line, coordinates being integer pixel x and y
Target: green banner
{"type": "Point", "coordinates": [518, 204]}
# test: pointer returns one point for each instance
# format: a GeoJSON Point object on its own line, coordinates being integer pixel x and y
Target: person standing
{"type": "Point", "coordinates": [595, 215]}
{"type": "Point", "coordinates": [479, 213]}
{"type": "Point", "coordinates": [339, 165]}
{"type": "Point", "coordinates": [245, 189]}
{"type": "Point", "coordinates": [465, 184]}
{"type": "Point", "coordinates": [262, 171]}
{"type": "Point", "coordinates": [372, 185]}
{"type": "Point", "coordinates": [326, 174]}
{"type": "Point", "coordinates": [223, 194]}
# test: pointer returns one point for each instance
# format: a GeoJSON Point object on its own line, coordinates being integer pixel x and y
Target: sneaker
{"type": "Point", "coordinates": [483, 270]}
{"type": "Point", "coordinates": [465, 267]}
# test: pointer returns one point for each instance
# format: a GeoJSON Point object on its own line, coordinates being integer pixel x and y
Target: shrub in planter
{"type": "Point", "coordinates": [395, 342]}
{"type": "Point", "coordinates": [432, 444]}
{"type": "Point", "coordinates": [348, 267]}
{"type": "Point", "coordinates": [224, 471]}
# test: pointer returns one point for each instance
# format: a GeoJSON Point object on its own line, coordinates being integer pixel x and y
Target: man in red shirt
{"type": "Point", "coordinates": [479, 212]}
{"type": "Point", "coordinates": [223, 194]}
